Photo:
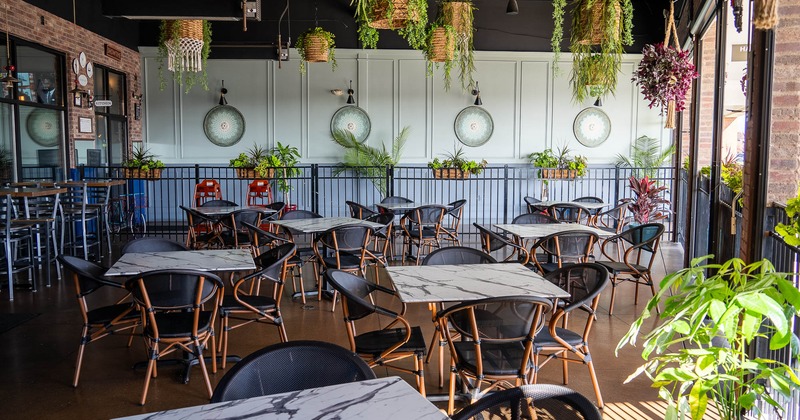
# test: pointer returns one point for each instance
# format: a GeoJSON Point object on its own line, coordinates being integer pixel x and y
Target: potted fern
{"type": "Point", "coordinates": [316, 45]}
{"type": "Point", "coordinates": [142, 164]}
{"type": "Point", "coordinates": [408, 17]}
{"type": "Point", "coordinates": [455, 166]}
{"type": "Point", "coordinates": [367, 161]}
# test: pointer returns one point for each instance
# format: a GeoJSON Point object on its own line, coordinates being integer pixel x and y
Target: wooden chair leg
{"type": "Point", "coordinates": [613, 295]}
{"type": "Point", "coordinates": [595, 384]}
{"type": "Point", "coordinates": [199, 353]}
{"type": "Point", "coordinates": [81, 348]}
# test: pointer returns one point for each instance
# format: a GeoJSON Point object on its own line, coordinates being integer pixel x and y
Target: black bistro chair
{"type": "Point", "coordinates": [536, 401]}
{"type": "Point", "coordinates": [153, 245]}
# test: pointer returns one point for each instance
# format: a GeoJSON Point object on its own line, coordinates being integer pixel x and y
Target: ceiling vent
{"type": "Point", "coordinates": [224, 10]}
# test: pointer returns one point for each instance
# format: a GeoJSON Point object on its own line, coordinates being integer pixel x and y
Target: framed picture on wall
{"type": "Point", "coordinates": [84, 125]}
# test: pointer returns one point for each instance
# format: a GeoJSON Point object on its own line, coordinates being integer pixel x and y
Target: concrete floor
{"type": "Point", "coordinates": [40, 355]}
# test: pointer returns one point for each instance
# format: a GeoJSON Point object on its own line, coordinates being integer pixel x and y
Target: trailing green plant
{"type": "Point", "coordinates": [413, 32]}
{"type": "Point", "coordinates": [142, 159]}
{"type": "Point", "coordinates": [648, 203]}
{"type": "Point", "coordinates": [447, 65]}
{"type": "Point", "coordinates": [558, 31]}
{"type": "Point", "coordinates": [646, 156]}
{"type": "Point", "coordinates": [560, 159]}
{"type": "Point", "coordinates": [791, 232]}
{"type": "Point", "coordinates": [456, 160]}
{"type": "Point", "coordinates": [316, 32]}
{"type": "Point", "coordinates": [465, 50]}
{"type": "Point", "coordinates": [251, 158]}
{"type": "Point", "coordinates": [281, 164]}
{"type": "Point", "coordinates": [700, 352]}
{"type": "Point", "coordinates": [595, 67]}
{"type": "Point", "coordinates": [169, 37]}
{"type": "Point", "coordinates": [367, 161]}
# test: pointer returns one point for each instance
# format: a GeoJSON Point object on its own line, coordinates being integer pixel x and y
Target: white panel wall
{"type": "Point", "coordinates": [531, 108]}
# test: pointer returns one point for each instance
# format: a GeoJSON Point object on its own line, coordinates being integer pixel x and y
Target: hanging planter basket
{"type": "Point", "coordinates": [442, 48]}
{"type": "Point", "coordinates": [595, 34]}
{"type": "Point", "coordinates": [391, 14]}
{"type": "Point", "coordinates": [316, 49]}
{"type": "Point", "coordinates": [458, 14]}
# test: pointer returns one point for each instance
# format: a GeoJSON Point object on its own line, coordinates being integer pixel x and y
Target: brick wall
{"type": "Point", "coordinates": [784, 164]}
{"type": "Point", "coordinates": [63, 36]}
{"type": "Point", "coordinates": [705, 124]}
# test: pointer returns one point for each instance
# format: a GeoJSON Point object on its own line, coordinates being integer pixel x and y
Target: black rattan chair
{"type": "Point", "coordinates": [422, 227]}
{"type": "Point", "coordinates": [569, 246]}
{"type": "Point", "coordinates": [492, 241]}
{"type": "Point", "coordinates": [342, 248]}
{"type": "Point", "coordinates": [291, 366]}
{"type": "Point", "coordinates": [153, 245]}
{"type": "Point", "coordinates": [570, 213]}
{"type": "Point", "coordinates": [359, 211]}
{"type": "Point", "coordinates": [453, 224]}
{"type": "Point", "coordinates": [534, 206]}
{"type": "Point", "coordinates": [219, 203]}
{"type": "Point", "coordinates": [532, 401]}
{"type": "Point", "coordinates": [533, 219]}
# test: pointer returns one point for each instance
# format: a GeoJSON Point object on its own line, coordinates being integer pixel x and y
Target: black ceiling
{"type": "Point", "coordinates": [495, 30]}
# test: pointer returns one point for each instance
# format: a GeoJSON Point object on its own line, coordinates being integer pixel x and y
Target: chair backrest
{"type": "Point", "coordinates": [547, 401]}
{"type": "Point", "coordinates": [343, 241]}
{"type": "Point", "coordinates": [490, 240]}
{"type": "Point", "coordinates": [359, 211]}
{"type": "Point", "coordinates": [356, 291]}
{"type": "Point", "coordinates": [88, 276]}
{"type": "Point", "coordinates": [430, 215]}
{"type": "Point", "coordinates": [259, 193]}
{"type": "Point", "coordinates": [456, 212]}
{"type": "Point", "coordinates": [218, 203]}
{"type": "Point", "coordinates": [75, 198]}
{"type": "Point", "coordinates": [568, 212]}
{"type": "Point", "coordinates": [261, 238]}
{"type": "Point", "coordinates": [394, 199]}
{"type": "Point", "coordinates": [272, 263]}
{"type": "Point", "coordinates": [300, 214]}
{"type": "Point", "coordinates": [207, 189]}
{"type": "Point", "coordinates": [533, 205]}
{"type": "Point", "coordinates": [153, 245]}
{"type": "Point", "coordinates": [583, 282]}
{"type": "Point", "coordinates": [454, 255]}
{"type": "Point", "coordinates": [291, 366]}
{"type": "Point", "coordinates": [640, 243]}
{"type": "Point", "coordinates": [568, 246]}
{"type": "Point", "coordinates": [533, 219]}
{"type": "Point", "coordinates": [588, 199]}
{"type": "Point", "coordinates": [614, 217]}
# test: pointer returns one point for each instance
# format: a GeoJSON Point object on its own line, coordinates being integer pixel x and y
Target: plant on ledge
{"type": "Point", "coordinates": [142, 164]}
{"type": "Point", "coordinates": [558, 164]}
{"type": "Point", "coordinates": [246, 163]}
{"type": "Point", "coordinates": [316, 45]}
{"type": "Point", "coordinates": [648, 205]}
{"type": "Point", "coordinates": [280, 165]}
{"type": "Point", "coordinates": [456, 166]}
{"type": "Point", "coordinates": [367, 161]}
{"type": "Point", "coordinates": [408, 17]}
{"type": "Point", "coordinates": [791, 232]}
{"type": "Point", "coordinates": [701, 351]}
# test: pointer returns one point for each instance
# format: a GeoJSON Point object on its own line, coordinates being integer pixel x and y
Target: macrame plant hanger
{"type": "Point", "coordinates": [671, 33]}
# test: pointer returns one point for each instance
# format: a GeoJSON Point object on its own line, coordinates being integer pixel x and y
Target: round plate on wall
{"type": "Point", "coordinates": [591, 127]}
{"type": "Point", "coordinates": [83, 80]}
{"type": "Point", "coordinates": [44, 127]}
{"type": "Point", "coordinates": [353, 119]}
{"type": "Point", "coordinates": [76, 66]}
{"type": "Point", "coordinates": [89, 69]}
{"type": "Point", "coordinates": [474, 126]}
{"type": "Point", "coordinates": [224, 125]}
{"type": "Point", "coordinates": [82, 58]}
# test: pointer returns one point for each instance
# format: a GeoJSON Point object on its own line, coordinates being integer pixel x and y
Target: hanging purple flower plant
{"type": "Point", "coordinates": [665, 74]}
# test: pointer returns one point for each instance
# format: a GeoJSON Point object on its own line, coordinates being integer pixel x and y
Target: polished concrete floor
{"type": "Point", "coordinates": [39, 357]}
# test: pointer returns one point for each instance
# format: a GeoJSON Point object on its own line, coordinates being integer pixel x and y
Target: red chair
{"type": "Point", "coordinates": [259, 193]}
{"type": "Point", "coordinates": [206, 190]}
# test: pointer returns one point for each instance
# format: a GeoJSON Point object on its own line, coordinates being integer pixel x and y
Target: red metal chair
{"type": "Point", "coordinates": [259, 193]}
{"type": "Point", "coordinates": [208, 189]}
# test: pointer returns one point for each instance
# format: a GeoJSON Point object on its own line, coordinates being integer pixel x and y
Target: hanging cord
{"type": "Point", "coordinates": [671, 30]}
{"type": "Point", "coordinates": [316, 9]}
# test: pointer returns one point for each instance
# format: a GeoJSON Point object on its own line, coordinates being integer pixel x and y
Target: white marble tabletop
{"type": "Point", "coordinates": [590, 206]}
{"type": "Point", "coordinates": [384, 398]}
{"type": "Point", "coordinates": [321, 224]}
{"type": "Point", "coordinates": [544, 229]}
{"type": "Point", "coordinates": [458, 283]}
{"type": "Point", "coordinates": [216, 211]}
{"type": "Point", "coordinates": [132, 263]}
{"type": "Point", "coordinates": [402, 207]}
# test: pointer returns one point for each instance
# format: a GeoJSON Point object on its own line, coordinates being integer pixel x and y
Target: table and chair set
{"type": "Point", "coordinates": [500, 321]}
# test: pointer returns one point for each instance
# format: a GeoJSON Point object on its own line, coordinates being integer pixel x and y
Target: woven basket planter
{"type": "Point", "coordinates": [135, 173]}
{"type": "Point", "coordinates": [442, 46]}
{"type": "Point", "coordinates": [398, 18]}
{"type": "Point", "coordinates": [316, 49]}
{"type": "Point", "coordinates": [457, 14]}
{"type": "Point", "coordinates": [594, 32]}
{"type": "Point", "coordinates": [559, 173]}
{"type": "Point", "coordinates": [450, 173]}
{"type": "Point", "coordinates": [250, 173]}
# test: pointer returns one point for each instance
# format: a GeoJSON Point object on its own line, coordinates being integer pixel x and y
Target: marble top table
{"type": "Point", "coordinates": [545, 229]}
{"type": "Point", "coordinates": [133, 263]}
{"type": "Point", "coordinates": [588, 206]}
{"type": "Point", "coordinates": [223, 210]}
{"type": "Point", "coordinates": [458, 283]}
{"type": "Point", "coordinates": [321, 224]}
{"type": "Point", "coordinates": [384, 398]}
{"type": "Point", "coordinates": [403, 207]}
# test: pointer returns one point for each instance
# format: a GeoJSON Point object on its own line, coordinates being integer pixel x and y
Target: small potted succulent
{"type": "Point", "coordinates": [316, 45]}
{"type": "Point", "coordinates": [559, 164]}
{"type": "Point", "coordinates": [142, 164]}
{"type": "Point", "coordinates": [246, 163]}
{"type": "Point", "coordinates": [455, 166]}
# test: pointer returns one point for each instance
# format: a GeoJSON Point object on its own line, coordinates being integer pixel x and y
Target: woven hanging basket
{"type": "Point", "coordinates": [457, 14]}
{"type": "Point", "coordinates": [316, 49]}
{"type": "Point", "coordinates": [381, 19]}
{"type": "Point", "coordinates": [593, 31]}
{"type": "Point", "coordinates": [442, 46]}
{"type": "Point", "coordinates": [185, 53]}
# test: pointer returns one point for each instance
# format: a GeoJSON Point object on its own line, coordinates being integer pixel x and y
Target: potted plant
{"type": "Point", "coordinates": [185, 44]}
{"type": "Point", "coordinates": [647, 205]}
{"type": "Point", "coordinates": [600, 30]}
{"type": "Point", "coordinates": [559, 164]}
{"type": "Point", "coordinates": [246, 163]}
{"type": "Point", "coordinates": [280, 165]}
{"type": "Point", "coordinates": [316, 45]}
{"type": "Point", "coordinates": [367, 161]}
{"type": "Point", "coordinates": [701, 351]}
{"type": "Point", "coordinates": [646, 156]}
{"type": "Point", "coordinates": [142, 164]}
{"type": "Point", "coordinates": [664, 76]}
{"type": "Point", "coordinates": [408, 17]}
{"type": "Point", "coordinates": [791, 232]}
{"type": "Point", "coordinates": [440, 49]}
{"type": "Point", "coordinates": [455, 166]}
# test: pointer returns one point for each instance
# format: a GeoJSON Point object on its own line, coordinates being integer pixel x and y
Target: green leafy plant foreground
{"type": "Point", "coordinates": [367, 161]}
{"type": "Point", "coordinates": [791, 232]}
{"type": "Point", "coordinates": [700, 353]}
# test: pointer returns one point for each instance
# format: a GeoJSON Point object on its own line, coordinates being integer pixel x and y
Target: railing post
{"type": "Point", "coordinates": [389, 181]}
{"type": "Point", "coordinates": [196, 174]}
{"type": "Point", "coordinates": [616, 184]}
{"type": "Point", "coordinates": [315, 188]}
{"type": "Point", "coordinates": [81, 172]}
{"type": "Point", "coordinates": [505, 193]}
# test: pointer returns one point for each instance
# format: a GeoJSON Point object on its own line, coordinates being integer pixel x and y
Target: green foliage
{"type": "Point", "coordinates": [646, 157]}
{"type": "Point", "coordinates": [791, 232]}
{"type": "Point", "coordinates": [367, 161]}
{"type": "Point", "coordinates": [730, 307]}
{"type": "Point", "coordinates": [560, 159]}
{"type": "Point", "coordinates": [648, 204]}
{"type": "Point", "coordinates": [456, 159]}
{"type": "Point", "coordinates": [168, 35]}
{"type": "Point", "coordinates": [250, 159]}
{"type": "Point", "coordinates": [142, 159]}
{"type": "Point", "coordinates": [558, 31]}
{"type": "Point", "coordinates": [6, 159]}
{"type": "Point", "coordinates": [465, 57]}
{"type": "Point", "coordinates": [283, 159]}
{"type": "Point", "coordinates": [413, 32]}
{"type": "Point", "coordinates": [300, 44]}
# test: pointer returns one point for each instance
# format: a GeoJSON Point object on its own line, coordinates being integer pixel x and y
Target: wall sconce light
{"type": "Point", "coordinates": [512, 8]}
{"type": "Point", "coordinates": [350, 93]}
{"type": "Point", "coordinates": [598, 102]}
{"type": "Point", "coordinates": [78, 95]}
{"type": "Point", "coordinates": [477, 93]}
{"type": "Point", "coordinates": [337, 92]}
{"type": "Point", "coordinates": [222, 92]}
{"type": "Point", "coordinates": [137, 98]}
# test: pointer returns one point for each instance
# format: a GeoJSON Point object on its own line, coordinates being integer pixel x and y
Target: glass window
{"type": "Point", "coordinates": [38, 74]}
{"type": "Point", "coordinates": [116, 93]}
{"type": "Point", "coordinates": [112, 123]}
{"type": "Point", "coordinates": [6, 142]}
{"type": "Point", "coordinates": [41, 142]}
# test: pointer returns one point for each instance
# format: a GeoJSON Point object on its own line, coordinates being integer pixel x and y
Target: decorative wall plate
{"type": "Point", "coordinates": [76, 66]}
{"type": "Point", "coordinates": [224, 125]}
{"type": "Point", "coordinates": [352, 119]}
{"type": "Point", "coordinates": [83, 80]}
{"type": "Point", "coordinates": [591, 127]}
{"type": "Point", "coordinates": [89, 69]}
{"type": "Point", "coordinates": [44, 127]}
{"type": "Point", "coordinates": [82, 58]}
{"type": "Point", "coordinates": [474, 126]}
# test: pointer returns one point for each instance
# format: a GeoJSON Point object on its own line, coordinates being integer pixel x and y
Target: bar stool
{"type": "Point", "coordinates": [41, 214]}
{"type": "Point", "coordinates": [15, 236]}
{"type": "Point", "coordinates": [76, 218]}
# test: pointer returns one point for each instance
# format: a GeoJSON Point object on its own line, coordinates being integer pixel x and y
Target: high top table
{"type": "Point", "coordinates": [384, 398]}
